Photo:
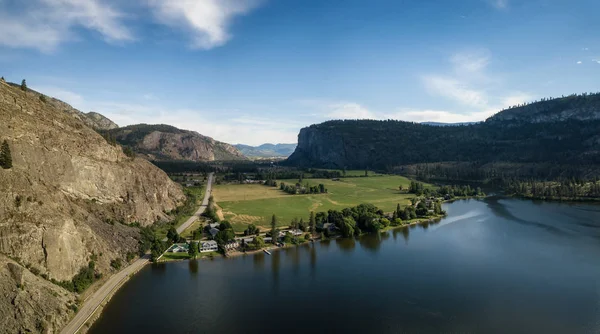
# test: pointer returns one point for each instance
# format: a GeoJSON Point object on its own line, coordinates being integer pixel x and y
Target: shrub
{"type": "Point", "coordinates": [116, 263]}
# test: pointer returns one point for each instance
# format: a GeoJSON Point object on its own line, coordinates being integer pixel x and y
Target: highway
{"type": "Point", "coordinates": [91, 304]}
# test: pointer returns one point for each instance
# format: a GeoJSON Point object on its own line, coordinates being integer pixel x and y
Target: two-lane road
{"type": "Point", "coordinates": [202, 207]}
{"type": "Point", "coordinates": [93, 303]}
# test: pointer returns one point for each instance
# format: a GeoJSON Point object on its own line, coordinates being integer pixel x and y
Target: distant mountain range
{"type": "Point", "coordinates": [267, 150]}
{"type": "Point", "coordinates": [447, 124]}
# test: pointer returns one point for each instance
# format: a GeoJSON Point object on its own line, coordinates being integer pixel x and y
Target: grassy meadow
{"type": "Point", "coordinates": [255, 204]}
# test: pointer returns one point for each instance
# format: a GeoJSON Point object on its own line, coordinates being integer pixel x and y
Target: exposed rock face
{"type": "Point", "coordinates": [67, 188]}
{"type": "Point", "coordinates": [29, 303]}
{"type": "Point", "coordinates": [165, 142]}
{"type": "Point", "coordinates": [92, 119]}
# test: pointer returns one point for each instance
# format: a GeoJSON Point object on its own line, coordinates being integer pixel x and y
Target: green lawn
{"type": "Point", "coordinates": [245, 204]}
{"type": "Point", "coordinates": [194, 195]}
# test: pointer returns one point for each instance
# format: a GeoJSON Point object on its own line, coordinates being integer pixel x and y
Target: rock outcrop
{"type": "Point", "coordinates": [565, 130]}
{"type": "Point", "coordinates": [31, 304]}
{"type": "Point", "coordinates": [70, 194]}
{"type": "Point", "coordinates": [164, 142]}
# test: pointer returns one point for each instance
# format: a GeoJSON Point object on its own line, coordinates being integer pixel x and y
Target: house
{"type": "Point", "coordinates": [208, 246]}
{"type": "Point", "coordinates": [296, 232]}
{"type": "Point", "coordinates": [213, 231]}
{"type": "Point", "coordinates": [179, 248]}
{"type": "Point", "coordinates": [231, 245]}
{"type": "Point", "coordinates": [214, 225]}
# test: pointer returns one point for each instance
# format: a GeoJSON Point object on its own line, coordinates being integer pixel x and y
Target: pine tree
{"type": "Point", "coordinates": [274, 229]}
{"type": "Point", "coordinates": [24, 85]}
{"type": "Point", "coordinates": [312, 223]}
{"type": "Point", "coordinates": [5, 156]}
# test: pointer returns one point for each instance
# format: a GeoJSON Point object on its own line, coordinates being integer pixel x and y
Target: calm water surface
{"type": "Point", "coordinates": [492, 266]}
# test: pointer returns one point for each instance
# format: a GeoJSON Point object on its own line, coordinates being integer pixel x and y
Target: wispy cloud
{"type": "Point", "coordinates": [208, 20]}
{"type": "Point", "coordinates": [45, 24]}
{"type": "Point", "coordinates": [579, 62]}
{"type": "Point", "coordinates": [349, 110]}
{"type": "Point", "coordinates": [499, 4]}
{"type": "Point", "coordinates": [456, 90]}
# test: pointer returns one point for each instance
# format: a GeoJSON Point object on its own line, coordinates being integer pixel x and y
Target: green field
{"type": "Point", "coordinates": [255, 204]}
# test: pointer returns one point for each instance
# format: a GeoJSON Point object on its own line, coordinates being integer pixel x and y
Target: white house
{"type": "Point", "coordinates": [208, 246]}
{"type": "Point", "coordinates": [232, 245]}
{"type": "Point", "coordinates": [179, 248]}
{"type": "Point", "coordinates": [296, 232]}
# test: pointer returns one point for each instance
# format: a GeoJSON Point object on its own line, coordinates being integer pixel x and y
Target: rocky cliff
{"type": "Point", "coordinates": [92, 119]}
{"type": "Point", "coordinates": [68, 196]}
{"type": "Point", "coordinates": [164, 142]}
{"type": "Point", "coordinates": [565, 130]}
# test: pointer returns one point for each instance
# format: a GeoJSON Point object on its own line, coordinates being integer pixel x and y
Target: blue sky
{"type": "Point", "coordinates": [255, 71]}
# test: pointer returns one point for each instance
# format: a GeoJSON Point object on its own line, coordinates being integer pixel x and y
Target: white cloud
{"type": "Point", "coordinates": [420, 116]}
{"type": "Point", "coordinates": [207, 20]}
{"type": "Point", "coordinates": [471, 62]}
{"type": "Point", "coordinates": [456, 90]}
{"type": "Point", "coordinates": [45, 24]}
{"type": "Point", "coordinates": [579, 62]}
{"type": "Point", "coordinates": [516, 99]}
{"type": "Point", "coordinates": [346, 110]}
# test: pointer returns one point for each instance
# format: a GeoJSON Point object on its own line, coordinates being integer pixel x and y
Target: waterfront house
{"type": "Point", "coordinates": [179, 248]}
{"type": "Point", "coordinates": [231, 245]}
{"type": "Point", "coordinates": [213, 231]}
{"type": "Point", "coordinates": [208, 246]}
{"type": "Point", "coordinates": [296, 232]}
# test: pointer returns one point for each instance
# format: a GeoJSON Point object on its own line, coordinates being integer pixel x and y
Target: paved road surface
{"type": "Point", "coordinates": [202, 207]}
{"type": "Point", "coordinates": [92, 303]}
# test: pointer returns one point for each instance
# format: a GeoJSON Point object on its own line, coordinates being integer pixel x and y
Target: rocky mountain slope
{"type": "Point", "coordinates": [267, 150]}
{"type": "Point", "coordinates": [164, 142]}
{"type": "Point", "coordinates": [92, 119]}
{"type": "Point", "coordinates": [65, 202]}
{"type": "Point", "coordinates": [559, 131]}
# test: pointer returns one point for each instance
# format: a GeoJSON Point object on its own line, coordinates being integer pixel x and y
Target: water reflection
{"type": "Point", "coordinates": [371, 242]}
{"type": "Point", "coordinates": [193, 266]}
{"type": "Point", "coordinates": [313, 260]}
{"type": "Point", "coordinates": [346, 245]}
{"type": "Point", "coordinates": [405, 231]}
{"type": "Point", "coordinates": [259, 260]}
{"type": "Point", "coordinates": [500, 210]}
{"type": "Point", "coordinates": [275, 262]}
{"type": "Point", "coordinates": [159, 268]}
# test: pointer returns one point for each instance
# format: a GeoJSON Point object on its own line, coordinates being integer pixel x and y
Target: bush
{"type": "Point", "coordinates": [307, 236]}
{"type": "Point", "coordinates": [116, 263]}
{"type": "Point", "coordinates": [43, 98]}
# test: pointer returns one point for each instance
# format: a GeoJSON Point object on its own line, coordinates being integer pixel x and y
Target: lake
{"type": "Point", "coordinates": [492, 266]}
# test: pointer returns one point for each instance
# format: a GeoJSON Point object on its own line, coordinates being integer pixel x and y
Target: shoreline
{"type": "Point", "coordinates": [97, 312]}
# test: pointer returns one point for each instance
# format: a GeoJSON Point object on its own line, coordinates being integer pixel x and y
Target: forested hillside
{"type": "Point", "coordinates": [561, 131]}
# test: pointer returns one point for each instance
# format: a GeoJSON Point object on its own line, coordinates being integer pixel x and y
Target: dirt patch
{"type": "Point", "coordinates": [219, 212]}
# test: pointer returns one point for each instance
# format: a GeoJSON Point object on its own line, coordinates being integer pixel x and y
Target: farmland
{"type": "Point", "coordinates": [244, 204]}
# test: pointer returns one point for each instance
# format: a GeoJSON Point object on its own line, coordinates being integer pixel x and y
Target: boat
{"type": "Point", "coordinates": [266, 251]}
